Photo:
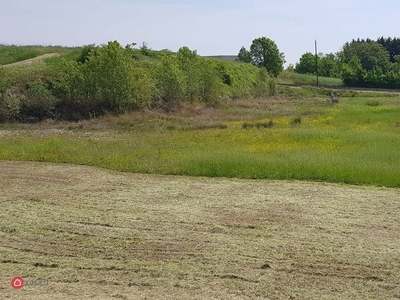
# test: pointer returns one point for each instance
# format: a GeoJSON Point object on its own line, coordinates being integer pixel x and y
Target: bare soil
{"type": "Point", "coordinates": [99, 234]}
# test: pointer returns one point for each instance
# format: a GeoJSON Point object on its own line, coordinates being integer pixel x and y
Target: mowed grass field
{"type": "Point", "coordinates": [98, 234]}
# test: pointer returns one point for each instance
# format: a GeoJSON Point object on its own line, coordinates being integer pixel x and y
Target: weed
{"type": "Point", "coordinates": [295, 121]}
{"type": "Point", "coordinates": [265, 124]}
{"type": "Point", "coordinates": [373, 103]}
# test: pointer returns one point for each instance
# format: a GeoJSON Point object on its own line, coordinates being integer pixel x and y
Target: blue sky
{"type": "Point", "coordinates": [211, 27]}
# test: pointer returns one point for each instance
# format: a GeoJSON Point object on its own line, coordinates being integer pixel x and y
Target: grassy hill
{"type": "Point", "coordinates": [11, 53]}
{"type": "Point", "coordinates": [43, 82]}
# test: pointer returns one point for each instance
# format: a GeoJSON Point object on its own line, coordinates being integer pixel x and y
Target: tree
{"type": "Point", "coordinates": [108, 80]}
{"type": "Point", "coordinates": [372, 55]}
{"type": "Point", "coordinates": [328, 66]}
{"type": "Point", "coordinates": [109, 75]}
{"type": "Point", "coordinates": [353, 73]}
{"type": "Point", "coordinates": [265, 54]}
{"type": "Point", "coordinates": [87, 50]}
{"type": "Point", "coordinates": [392, 46]}
{"type": "Point", "coordinates": [244, 55]}
{"type": "Point", "coordinates": [307, 64]}
{"type": "Point", "coordinates": [170, 81]}
{"type": "Point", "coordinates": [188, 62]}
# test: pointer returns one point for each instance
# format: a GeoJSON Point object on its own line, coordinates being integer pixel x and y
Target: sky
{"type": "Point", "coordinates": [212, 27]}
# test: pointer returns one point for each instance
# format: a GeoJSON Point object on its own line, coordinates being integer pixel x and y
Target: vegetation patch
{"type": "Point", "coordinates": [274, 138]}
{"type": "Point", "coordinates": [373, 103]}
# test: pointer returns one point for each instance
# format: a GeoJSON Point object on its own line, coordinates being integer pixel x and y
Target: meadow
{"type": "Point", "coordinates": [354, 142]}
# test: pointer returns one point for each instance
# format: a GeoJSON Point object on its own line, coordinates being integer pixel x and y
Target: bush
{"type": "Point", "coordinates": [170, 81]}
{"type": "Point", "coordinates": [3, 80]}
{"type": "Point", "coordinates": [86, 52]}
{"type": "Point", "coordinates": [373, 103]}
{"type": "Point", "coordinates": [39, 101]}
{"type": "Point", "coordinates": [211, 84]}
{"type": "Point", "coordinates": [10, 106]}
{"type": "Point", "coordinates": [265, 124]}
{"type": "Point", "coordinates": [108, 81]}
{"type": "Point", "coordinates": [261, 86]}
{"type": "Point", "coordinates": [295, 121]}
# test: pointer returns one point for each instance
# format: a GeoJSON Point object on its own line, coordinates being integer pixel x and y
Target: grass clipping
{"type": "Point", "coordinates": [92, 233]}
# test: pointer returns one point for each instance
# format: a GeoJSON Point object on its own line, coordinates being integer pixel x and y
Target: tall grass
{"type": "Point", "coordinates": [303, 79]}
{"type": "Point", "coordinates": [350, 143]}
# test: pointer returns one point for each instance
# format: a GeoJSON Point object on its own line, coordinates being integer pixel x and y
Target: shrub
{"type": "Point", "coordinates": [261, 86]}
{"type": "Point", "coordinates": [211, 85]}
{"type": "Point", "coordinates": [108, 81]}
{"type": "Point", "coordinates": [295, 121]}
{"type": "Point", "coordinates": [39, 102]}
{"type": "Point", "coordinates": [3, 80]}
{"type": "Point", "coordinates": [266, 124]}
{"type": "Point", "coordinates": [273, 91]}
{"type": "Point", "coordinates": [169, 82]}
{"type": "Point", "coordinates": [86, 52]}
{"type": "Point", "coordinates": [10, 106]}
{"type": "Point", "coordinates": [373, 103]}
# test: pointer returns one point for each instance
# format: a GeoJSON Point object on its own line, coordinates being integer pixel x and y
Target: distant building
{"type": "Point", "coordinates": [224, 57]}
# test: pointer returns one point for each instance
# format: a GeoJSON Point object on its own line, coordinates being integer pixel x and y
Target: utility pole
{"type": "Point", "coordinates": [316, 62]}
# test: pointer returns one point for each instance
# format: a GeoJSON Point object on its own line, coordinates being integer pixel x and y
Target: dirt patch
{"type": "Point", "coordinates": [93, 233]}
{"type": "Point", "coordinates": [32, 61]}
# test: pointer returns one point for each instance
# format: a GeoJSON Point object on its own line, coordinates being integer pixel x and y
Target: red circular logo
{"type": "Point", "coordinates": [17, 282]}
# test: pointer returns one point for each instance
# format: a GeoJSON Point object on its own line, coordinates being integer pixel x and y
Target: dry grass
{"type": "Point", "coordinates": [98, 234]}
{"type": "Point", "coordinates": [32, 61]}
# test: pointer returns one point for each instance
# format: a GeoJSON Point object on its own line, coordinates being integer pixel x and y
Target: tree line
{"type": "Point", "coordinates": [361, 62]}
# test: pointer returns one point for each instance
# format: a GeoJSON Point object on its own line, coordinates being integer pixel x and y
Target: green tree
{"type": "Point", "coordinates": [353, 73]}
{"type": "Point", "coordinates": [88, 49]}
{"type": "Point", "coordinates": [328, 65]}
{"type": "Point", "coordinates": [392, 45]}
{"type": "Point", "coordinates": [170, 82]}
{"type": "Point", "coordinates": [371, 54]}
{"type": "Point", "coordinates": [188, 61]}
{"type": "Point", "coordinates": [211, 83]}
{"type": "Point", "coordinates": [109, 76]}
{"type": "Point", "coordinates": [109, 80]}
{"type": "Point", "coordinates": [244, 55]}
{"type": "Point", "coordinates": [307, 64]}
{"type": "Point", "coordinates": [265, 53]}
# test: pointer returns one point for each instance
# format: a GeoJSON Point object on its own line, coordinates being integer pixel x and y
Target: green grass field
{"type": "Point", "coordinates": [302, 79]}
{"type": "Point", "coordinates": [354, 142]}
